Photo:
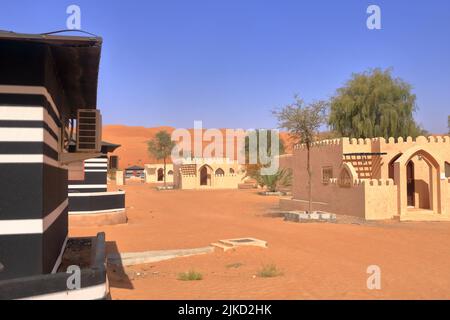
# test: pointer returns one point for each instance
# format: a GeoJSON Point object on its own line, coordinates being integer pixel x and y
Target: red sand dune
{"type": "Point", "coordinates": [133, 141]}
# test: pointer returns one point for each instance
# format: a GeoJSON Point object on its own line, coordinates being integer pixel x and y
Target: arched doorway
{"type": "Point", "coordinates": [205, 175]}
{"type": "Point", "coordinates": [410, 184]}
{"type": "Point", "coordinates": [160, 174]}
{"type": "Point", "coordinates": [419, 175]}
{"type": "Point", "coordinates": [447, 169]}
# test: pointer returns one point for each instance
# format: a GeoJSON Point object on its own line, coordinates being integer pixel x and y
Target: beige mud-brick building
{"type": "Point", "coordinates": [154, 173]}
{"type": "Point", "coordinates": [376, 179]}
{"type": "Point", "coordinates": [208, 173]}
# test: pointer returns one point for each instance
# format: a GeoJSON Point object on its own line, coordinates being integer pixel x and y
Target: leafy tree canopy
{"type": "Point", "coordinates": [161, 146]}
{"type": "Point", "coordinates": [374, 104]}
{"type": "Point", "coordinates": [301, 120]}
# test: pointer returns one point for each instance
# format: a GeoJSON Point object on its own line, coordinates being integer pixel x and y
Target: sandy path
{"type": "Point", "coordinates": [318, 261]}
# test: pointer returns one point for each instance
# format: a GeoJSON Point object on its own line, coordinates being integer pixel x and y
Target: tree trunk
{"type": "Point", "coordinates": [308, 164]}
{"type": "Point", "coordinates": [164, 172]}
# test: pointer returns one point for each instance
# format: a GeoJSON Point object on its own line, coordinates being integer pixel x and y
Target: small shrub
{"type": "Point", "coordinates": [269, 271]}
{"type": "Point", "coordinates": [234, 265]}
{"type": "Point", "coordinates": [190, 276]}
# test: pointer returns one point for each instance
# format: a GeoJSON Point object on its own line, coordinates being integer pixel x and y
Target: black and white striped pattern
{"type": "Point", "coordinates": [33, 184]}
{"type": "Point", "coordinates": [95, 176]}
{"type": "Point", "coordinates": [85, 203]}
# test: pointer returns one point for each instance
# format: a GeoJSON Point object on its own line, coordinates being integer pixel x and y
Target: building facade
{"type": "Point", "coordinates": [39, 92]}
{"type": "Point", "coordinates": [208, 173]}
{"type": "Point", "coordinates": [135, 173]}
{"type": "Point", "coordinates": [376, 178]}
{"type": "Point", "coordinates": [154, 173]}
{"type": "Point", "coordinates": [89, 200]}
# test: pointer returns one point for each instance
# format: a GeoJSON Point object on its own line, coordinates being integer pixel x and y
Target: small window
{"type": "Point", "coordinates": [447, 169]}
{"type": "Point", "coordinates": [231, 171]}
{"type": "Point", "coordinates": [114, 162]}
{"type": "Point", "coordinates": [170, 173]}
{"type": "Point", "coordinates": [327, 174]}
{"type": "Point", "coordinates": [219, 172]}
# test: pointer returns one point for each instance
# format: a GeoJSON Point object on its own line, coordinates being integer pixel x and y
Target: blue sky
{"type": "Point", "coordinates": [229, 62]}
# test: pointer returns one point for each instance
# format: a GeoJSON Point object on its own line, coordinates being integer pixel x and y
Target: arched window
{"type": "Point", "coordinates": [220, 172]}
{"type": "Point", "coordinates": [205, 175]}
{"type": "Point", "coordinates": [170, 173]}
{"type": "Point", "coordinates": [231, 171]}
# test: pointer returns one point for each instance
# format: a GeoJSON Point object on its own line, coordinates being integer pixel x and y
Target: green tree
{"type": "Point", "coordinates": [303, 122]}
{"type": "Point", "coordinates": [374, 104]}
{"type": "Point", "coordinates": [253, 169]}
{"type": "Point", "coordinates": [161, 148]}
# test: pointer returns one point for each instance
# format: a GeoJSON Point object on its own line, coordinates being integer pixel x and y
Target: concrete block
{"type": "Point", "coordinates": [120, 178]}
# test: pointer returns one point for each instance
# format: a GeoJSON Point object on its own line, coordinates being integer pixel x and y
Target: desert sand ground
{"type": "Point", "coordinates": [317, 261]}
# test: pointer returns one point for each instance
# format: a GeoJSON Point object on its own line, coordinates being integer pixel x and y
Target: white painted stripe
{"type": "Point", "coordinates": [28, 114]}
{"type": "Point", "coordinates": [96, 170]}
{"type": "Point", "coordinates": [16, 227]}
{"type": "Point", "coordinates": [59, 260]}
{"type": "Point", "coordinates": [51, 123]}
{"type": "Point", "coordinates": [22, 113]}
{"type": "Point", "coordinates": [96, 160]}
{"type": "Point", "coordinates": [50, 141]}
{"type": "Point", "coordinates": [28, 135]}
{"type": "Point", "coordinates": [95, 165]}
{"type": "Point", "coordinates": [30, 90]}
{"type": "Point", "coordinates": [74, 213]}
{"type": "Point", "coordinates": [22, 135]}
{"type": "Point", "coordinates": [89, 293]}
{"type": "Point", "coordinates": [28, 158]}
{"type": "Point", "coordinates": [87, 186]}
{"type": "Point", "coordinates": [95, 194]}
{"type": "Point", "coordinates": [32, 226]}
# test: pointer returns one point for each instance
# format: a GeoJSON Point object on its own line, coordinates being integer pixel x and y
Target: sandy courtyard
{"type": "Point", "coordinates": [316, 261]}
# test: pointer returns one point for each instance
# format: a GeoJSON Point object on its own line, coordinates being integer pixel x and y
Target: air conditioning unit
{"type": "Point", "coordinates": [89, 131]}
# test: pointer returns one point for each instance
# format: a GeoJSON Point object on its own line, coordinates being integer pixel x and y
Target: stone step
{"type": "Point", "coordinates": [222, 246]}
{"type": "Point", "coordinates": [296, 216]}
{"type": "Point", "coordinates": [226, 243]}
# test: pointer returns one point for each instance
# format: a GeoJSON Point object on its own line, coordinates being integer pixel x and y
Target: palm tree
{"type": "Point", "coordinates": [161, 148]}
{"type": "Point", "coordinates": [282, 178]}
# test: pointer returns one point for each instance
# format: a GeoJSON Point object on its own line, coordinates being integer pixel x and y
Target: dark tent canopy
{"type": "Point", "coordinates": [74, 59]}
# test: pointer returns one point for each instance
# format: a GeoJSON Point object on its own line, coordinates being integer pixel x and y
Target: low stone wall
{"type": "Point", "coordinates": [188, 182]}
{"type": "Point", "coordinates": [368, 199]}
{"type": "Point", "coordinates": [53, 286]}
{"type": "Point", "coordinates": [228, 181]}
{"type": "Point", "coordinates": [97, 220]}
{"type": "Point", "coordinates": [380, 199]}
{"type": "Point", "coordinates": [97, 209]}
